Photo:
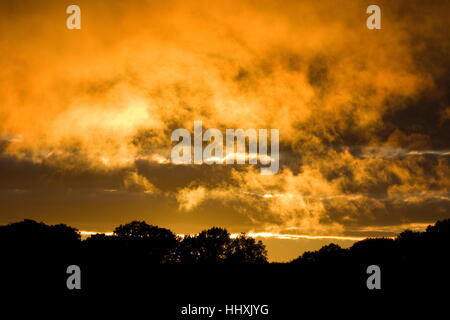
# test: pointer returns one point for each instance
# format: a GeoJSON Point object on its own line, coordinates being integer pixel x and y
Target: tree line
{"type": "Point", "coordinates": [139, 241]}
{"type": "Point", "coordinates": [136, 241]}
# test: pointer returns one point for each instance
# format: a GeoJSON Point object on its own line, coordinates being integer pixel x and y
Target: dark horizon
{"type": "Point", "coordinates": [141, 230]}
{"type": "Point", "coordinates": [148, 264]}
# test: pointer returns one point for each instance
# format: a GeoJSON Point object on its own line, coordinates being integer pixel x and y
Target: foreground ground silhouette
{"type": "Point", "coordinates": [152, 262]}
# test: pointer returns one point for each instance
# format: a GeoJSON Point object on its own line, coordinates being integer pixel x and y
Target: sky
{"type": "Point", "coordinates": [86, 116]}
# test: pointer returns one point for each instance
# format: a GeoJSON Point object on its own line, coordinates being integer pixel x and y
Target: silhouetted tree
{"type": "Point", "coordinates": [440, 227]}
{"type": "Point", "coordinates": [245, 249]}
{"type": "Point", "coordinates": [32, 248]}
{"type": "Point", "coordinates": [327, 254]}
{"type": "Point", "coordinates": [216, 246]}
{"type": "Point", "coordinates": [409, 248]}
{"type": "Point", "coordinates": [138, 239]}
{"type": "Point", "coordinates": [209, 246]}
{"type": "Point", "coordinates": [32, 238]}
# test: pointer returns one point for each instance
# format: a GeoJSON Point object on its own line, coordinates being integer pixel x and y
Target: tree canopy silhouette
{"type": "Point", "coordinates": [135, 241]}
{"type": "Point", "coordinates": [28, 238]}
{"type": "Point", "coordinates": [406, 255]}
{"type": "Point", "coordinates": [216, 246]}
{"type": "Point", "coordinates": [141, 254]}
{"type": "Point", "coordinates": [140, 241]}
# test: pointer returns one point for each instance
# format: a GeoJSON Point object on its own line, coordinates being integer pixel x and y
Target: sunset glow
{"type": "Point", "coordinates": [86, 116]}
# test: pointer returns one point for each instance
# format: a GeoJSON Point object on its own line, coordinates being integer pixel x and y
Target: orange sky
{"type": "Point", "coordinates": [364, 115]}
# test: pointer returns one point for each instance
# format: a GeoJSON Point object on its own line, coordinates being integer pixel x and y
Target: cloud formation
{"type": "Point", "coordinates": [364, 116]}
